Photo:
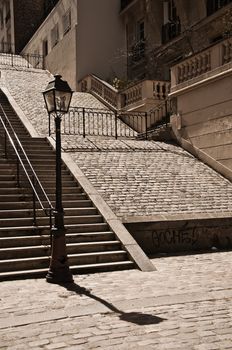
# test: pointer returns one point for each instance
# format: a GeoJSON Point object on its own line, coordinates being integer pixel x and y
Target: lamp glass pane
{"type": "Point", "coordinates": [62, 101]}
{"type": "Point", "coordinates": [50, 100]}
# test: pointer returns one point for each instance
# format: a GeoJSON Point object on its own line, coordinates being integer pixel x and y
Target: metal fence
{"type": "Point", "coordinates": [101, 122]}
{"type": "Point", "coordinates": [96, 122]}
{"type": "Point", "coordinates": [24, 60]}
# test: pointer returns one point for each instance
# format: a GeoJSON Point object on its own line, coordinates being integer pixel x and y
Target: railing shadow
{"type": "Point", "coordinates": [138, 318]}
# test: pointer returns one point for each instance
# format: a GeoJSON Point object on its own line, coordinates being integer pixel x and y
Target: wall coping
{"type": "Point", "coordinates": [129, 243]}
{"type": "Point", "coordinates": [211, 217]}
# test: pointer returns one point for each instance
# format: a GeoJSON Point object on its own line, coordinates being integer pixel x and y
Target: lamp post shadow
{"type": "Point", "coordinates": [138, 318]}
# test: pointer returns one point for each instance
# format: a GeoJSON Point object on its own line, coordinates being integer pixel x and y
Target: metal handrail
{"type": "Point", "coordinates": [48, 211]}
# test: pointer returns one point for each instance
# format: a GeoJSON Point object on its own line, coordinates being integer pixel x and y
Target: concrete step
{"type": "Point", "coordinates": [41, 221]}
{"type": "Point", "coordinates": [44, 250]}
{"type": "Point", "coordinates": [24, 213]}
{"type": "Point", "coordinates": [97, 257]}
{"type": "Point", "coordinates": [74, 260]}
{"type": "Point", "coordinates": [78, 269]}
{"type": "Point", "coordinates": [15, 231]}
{"type": "Point", "coordinates": [35, 240]}
{"type": "Point", "coordinates": [14, 205]}
{"type": "Point", "coordinates": [8, 184]}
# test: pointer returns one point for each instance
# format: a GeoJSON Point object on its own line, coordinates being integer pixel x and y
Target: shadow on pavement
{"type": "Point", "coordinates": [138, 318]}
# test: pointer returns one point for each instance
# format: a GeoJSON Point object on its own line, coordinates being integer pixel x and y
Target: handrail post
{"type": "Point", "coordinates": [83, 121]}
{"type": "Point", "coordinates": [166, 112]}
{"type": "Point", "coordinates": [146, 124]}
{"type": "Point", "coordinates": [49, 124]}
{"type": "Point", "coordinates": [18, 180]}
{"type": "Point", "coordinates": [116, 124]}
{"type": "Point", "coordinates": [33, 197]}
{"type": "Point", "coordinates": [5, 142]}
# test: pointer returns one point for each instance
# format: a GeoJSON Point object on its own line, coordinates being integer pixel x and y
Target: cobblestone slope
{"type": "Point", "coordinates": [161, 181]}
{"type": "Point", "coordinates": [136, 178]}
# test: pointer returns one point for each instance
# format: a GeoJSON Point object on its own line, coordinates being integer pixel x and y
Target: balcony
{"type": "Point", "coordinates": [137, 51]}
{"type": "Point", "coordinates": [170, 30]}
{"type": "Point", "coordinates": [202, 66]}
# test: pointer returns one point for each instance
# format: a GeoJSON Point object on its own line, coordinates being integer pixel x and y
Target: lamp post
{"type": "Point", "coordinates": [57, 96]}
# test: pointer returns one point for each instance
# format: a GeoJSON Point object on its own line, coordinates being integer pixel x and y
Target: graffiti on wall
{"type": "Point", "coordinates": [169, 237]}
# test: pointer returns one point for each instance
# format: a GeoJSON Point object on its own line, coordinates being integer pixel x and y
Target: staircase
{"type": "Point", "coordinates": [24, 247]}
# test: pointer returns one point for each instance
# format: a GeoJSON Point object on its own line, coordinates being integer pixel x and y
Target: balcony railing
{"type": "Point", "coordinates": [137, 51]}
{"type": "Point", "coordinates": [208, 61]}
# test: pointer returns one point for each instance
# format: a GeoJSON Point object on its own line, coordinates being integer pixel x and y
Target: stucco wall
{"type": "Point", "coordinates": [101, 39]}
{"type": "Point", "coordinates": [61, 58]}
{"type": "Point", "coordinates": [206, 117]}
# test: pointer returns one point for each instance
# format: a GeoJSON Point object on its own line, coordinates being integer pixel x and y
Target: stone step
{"type": "Point", "coordinates": [8, 184]}
{"type": "Point", "coordinates": [78, 269]}
{"type": "Point", "coordinates": [35, 240]}
{"type": "Point", "coordinates": [45, 230]}
{"type": "Point", "coordinates": [41, 221]}
{"type": "Point", "coordinates": [29, 205]}
{"type": "Point", "coordinates": [72, 248]}
{"type": "Point", "coordinates": [23, 213]}
{"type": "Point", "coordinates": [74, 260]}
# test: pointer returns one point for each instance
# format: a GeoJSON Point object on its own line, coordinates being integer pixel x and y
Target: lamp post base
{"type": "Point", "coordinates": [59, 275]}
{"type": "Point", "coordinates": [59, 269]}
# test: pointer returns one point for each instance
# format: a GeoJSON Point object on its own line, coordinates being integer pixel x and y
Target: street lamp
{"type": "Point", "coordinates": [57, 96]}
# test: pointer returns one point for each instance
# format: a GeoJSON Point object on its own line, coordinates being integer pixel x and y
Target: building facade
{"type": "Point", "coordinates": [19, 20]}
{"type": "Point", "coordinates": [161, 32]}
{"type": "Point", "coordinates": [80, 37]}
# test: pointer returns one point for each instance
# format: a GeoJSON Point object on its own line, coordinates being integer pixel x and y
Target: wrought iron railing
{"type": "Point", "coordinates": [25, 173]}
{"type": "Point", "coordinates": [120, 124]}
{"type": "Point", "coordinates": [95, 122]}
{"type": "Point", "coordinates": [23, 60]}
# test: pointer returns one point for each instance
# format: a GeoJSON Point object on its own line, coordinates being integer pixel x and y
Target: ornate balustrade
{"type": "Point", "coordinates": [106, 92]}
{"type": "Point", "coordinates": [206, 61]}
{"type": "Point", "coordinates": [140, 92]}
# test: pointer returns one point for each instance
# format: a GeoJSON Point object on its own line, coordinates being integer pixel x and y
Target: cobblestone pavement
{"type": "Point", "coordinates": [185, 305]}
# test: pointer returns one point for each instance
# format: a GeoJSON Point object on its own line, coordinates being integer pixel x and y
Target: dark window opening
{"type": "Point", "coordinates": [172, 26]}
{"type": "Point", "coordinates": [45, 48]}
{"type": "Point", "coordinates": [215, 5]}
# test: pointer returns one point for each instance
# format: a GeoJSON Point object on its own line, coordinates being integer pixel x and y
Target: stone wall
{"type": "Point", "coordinates": [168, 236]}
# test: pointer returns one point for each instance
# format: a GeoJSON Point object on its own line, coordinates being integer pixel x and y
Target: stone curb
{"type": "Point", "coordinates": [131, 246]}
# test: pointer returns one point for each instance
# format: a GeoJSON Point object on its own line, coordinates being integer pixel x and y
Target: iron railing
{"type": "Point", "coordinates": [23, 60]}
{"type": "Point", "coordinates": [101, 122]}
{"type": "Point", "coordinates": [26, 175]}
{"type": "Point", "coordinates": [94, 122]}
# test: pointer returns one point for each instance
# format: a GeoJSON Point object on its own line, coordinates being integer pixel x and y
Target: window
{"type": "Point", "coordinates": [67, 21]}
{"type": "Point", "coordinates": [215, 5]}
{"type": "Point", "coordinates": [45, 47]}
{"type": "Point", "coordinates": [55, 35]}
{"type": "Point", "coordinates": [171, 27]}
{"type": "Point", "coordinates": [140, 35]}
{"type": "Point", "coordinates": [138, 49]}
{"type": "Point", "coordinates": [1, 19]}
